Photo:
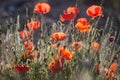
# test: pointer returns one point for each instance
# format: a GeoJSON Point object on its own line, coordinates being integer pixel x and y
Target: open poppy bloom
{"type": "Point", "coordinates": [28, 46]}
{"type": "Point", "coordinates": [105, 70]}
{"type": "Point", "coordinates": [95, 46]}
{"type": "Point", "coordinates": [58, 36]}
{"type": "Point", "coordinates": [65, 53]}
{"type": "Point", "coordinates": [42, 8]}
{"type": "Point", "coordinates": [113, 67]}
{"type": "Point", "coordinates": [94, 11]}
{"type": "Point", "coordinates": [21, 68]}
{"type": "Point", "coordinates": [24, 34]}
{"type": "Point", "coordinates": [83, 25]}
{"type": "Point", "coordinates": [76, 46]}
{"type": "Point", "coordinates": [56, 65]}
{"type": "Point", "coordinates": [82, 20]}
{"type": "Point", "coordinates": [33, 25]}
{"type": "Point", "coordinates": [70, 14]}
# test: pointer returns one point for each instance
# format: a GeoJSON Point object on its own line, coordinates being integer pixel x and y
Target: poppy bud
{"type": "Point", "coordinates": [111, 38]}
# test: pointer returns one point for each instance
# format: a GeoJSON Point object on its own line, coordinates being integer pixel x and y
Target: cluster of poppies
{"type": "Point", "coordinates": [28, 47]}
{"type": "Point", "coordinates": [82, 24]}
{"type": "Point", "coordinates": [71, 12]}
{"type": "Point", "coordinates": [26, 35]}
{"type": "Point", "coordinates": [57, 63]}
{"type": "Point", "coordinates": [109, 72]}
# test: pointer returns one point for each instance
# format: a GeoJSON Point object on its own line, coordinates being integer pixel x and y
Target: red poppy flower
{"type": "Point", "coordinates": [105, 70]}
{"type": "Point", "coordinates": [56, 65]}
{"type": "Point", "coordinates": [70, 14]}
{"type": "Point", "coordinates": [83, 25]}
{"type": "Point", "coordinates": [58, 36]}
{"type": "Point", "coordinates": [76, 46]}
{"type": "Point", "coordinates": [24, 34]}
{"type": "Point", "coordinates": [65, 53]}
{"type": "Point", "coordinates": [82, 20]}
{"type": "Point", "coordinates": [33, 25]}
{"type": "Point", "coordinates": [42, 8]}
{"type": "Point", "coordinates": [113, 67]}
{"type": "Point", "coordinates": [28, 46]}
{"type": "Point", "coordinates": [21, 68]}
{"type": "Point", "coordinates": [111, 75]}
{"type": "Point", "coordinates": [95, 46]}
{"type": "Point", "coordinates": [94, 11]}
{"type": "Point", "coordinates": [97, 67]}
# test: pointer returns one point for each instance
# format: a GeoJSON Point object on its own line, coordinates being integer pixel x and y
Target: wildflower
{"type": "Point", "coordinates": [21, 68]}
{"type": "Point", "coordinates": [111, 74]}
{"type": "Point", "coordinates": [28, 46]}
{"type": "Point", "coordinates": [113, 67]}
{"type": "Point", "coordinates": [97, 67]}
{"type": "Point", "coordinates": [24, 34]}
{"type": "Point", "coordinates": [83, 25]}
{"type": "Point", "coordinates": [82, 20]}
{"type": "Point", "coordinates": [76, 46]}
{"type": "Point", "coordinates": [58, 36]}
{"type": "Point", "coordinates": [56, 65]}
{"type": "Point", "coordinates": [111, 38]}
{"type": "Point", "coordinates": [70, 14]}
{"type": "Point", "coordinates": [42, 8]}
{"type": "Point", "coordinates": [105, 70]}
{"type": "Point", "coordinates": [65, 53]}
{"type": "Point", "coordinates": [33, 25]}
{"type": "Point", "coordinates": [94, 11]}
{"type": "Point", "coordinates": [61, 59]}
{"type": "Point", "coordinates": [95, 46]}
